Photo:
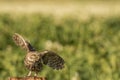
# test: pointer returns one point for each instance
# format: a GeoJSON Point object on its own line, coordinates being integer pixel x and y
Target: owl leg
{"type": "Point", "coordinates": [29, 74]}
{"type": "Point", "coordinates": [36, 73]}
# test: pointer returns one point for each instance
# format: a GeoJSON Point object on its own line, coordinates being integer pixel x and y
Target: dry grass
{"type": "Point", "coordinates": [62, 8]}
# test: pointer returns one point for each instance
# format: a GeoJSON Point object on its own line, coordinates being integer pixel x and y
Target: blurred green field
{"type": "Point", "coordinates": [88, 38]}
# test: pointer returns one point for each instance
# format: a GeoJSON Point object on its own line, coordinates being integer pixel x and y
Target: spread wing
{"type": "Point", "coordinates": [52, 60]}
{"type": "Point", "coordinates": [20, 41]}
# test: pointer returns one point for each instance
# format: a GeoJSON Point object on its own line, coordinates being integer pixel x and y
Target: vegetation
{"type": "Point", "coordinates": [91, 47]}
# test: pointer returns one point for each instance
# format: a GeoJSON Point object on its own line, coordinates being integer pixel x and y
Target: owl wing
{"type": "Point", "coordinates": [52, 60]}
{"type": "Point", "coordinates": [20, 41]}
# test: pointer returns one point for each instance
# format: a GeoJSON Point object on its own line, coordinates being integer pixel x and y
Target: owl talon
{"type": "Point", "coordinates": [29, 74]}
{"type": "Point", "coordinates": [35, 74]}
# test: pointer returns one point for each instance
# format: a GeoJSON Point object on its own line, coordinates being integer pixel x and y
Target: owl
{"type": "Point", "coordinates": [35, 60]}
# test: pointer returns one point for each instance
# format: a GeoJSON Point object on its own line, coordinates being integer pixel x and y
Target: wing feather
{"type": "Point", "coordinates": [52, 60]}
{"type": "Point", "coordinates": [20, 41]}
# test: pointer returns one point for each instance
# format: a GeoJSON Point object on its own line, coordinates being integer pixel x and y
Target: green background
{"type": "Point", "coordinates": [90, 46]}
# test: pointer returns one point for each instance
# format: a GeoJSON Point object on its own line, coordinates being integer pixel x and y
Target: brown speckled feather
{"type": "Point", "coordinates": [52, 59]}
{"type": "Point", "coordinates": [20, 41]}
